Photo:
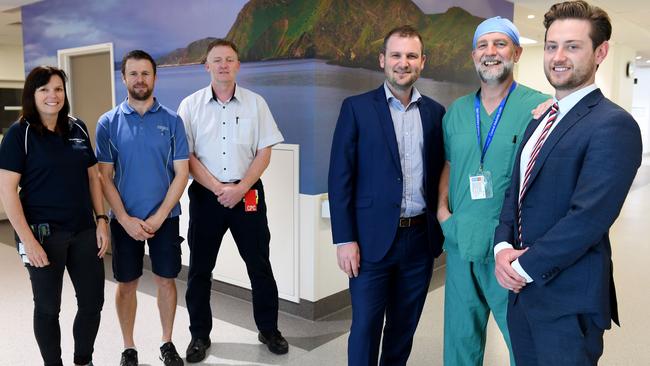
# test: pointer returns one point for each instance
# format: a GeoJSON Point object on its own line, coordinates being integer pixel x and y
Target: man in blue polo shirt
{"type": "Point", "coordinates": [143, 158]}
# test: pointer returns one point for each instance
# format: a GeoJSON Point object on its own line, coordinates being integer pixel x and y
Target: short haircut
{"type": "Point", "coordinates": [39, 76]}
{"type": "Point", "coordinates": [406, 31]}
{"type": "Point", "coordinates": [601, 26]}
{"type": "Point", "coordinates": [220, 42]}
{"type": "Point", "coordinates": [137, 55]}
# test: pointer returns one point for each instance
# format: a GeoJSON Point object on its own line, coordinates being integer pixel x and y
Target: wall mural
{"type": "Point", "coordinates": [303, 56]}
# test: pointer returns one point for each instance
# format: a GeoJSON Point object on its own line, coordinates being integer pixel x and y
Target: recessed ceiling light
{"type": "Point", "coordinates": [647, 61]}
{"type": "Point", "coordinates": [639, 57]}
{"type": "Point", "coordinates": [531, 16]}
{"type": "Point", "coordinates": [524, 40]}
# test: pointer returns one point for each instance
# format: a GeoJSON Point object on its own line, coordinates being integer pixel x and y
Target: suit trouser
{"type": "Point", "coordinates": [569, 340]}
{"type": "Point", "coordinates": [396, 288]}
{"type": "Point", "coordinates": [471, 292]}
{"type": "Point", "coordinates": [209, 221]}
{"type": "Point", "coordinates": [78, 253]}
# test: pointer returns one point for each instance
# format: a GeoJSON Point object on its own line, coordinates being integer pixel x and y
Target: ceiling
{"type": "Point", "coordinates": [630, 22]}
{"type": "Point", "coordinates": [11, 31]}
{"type": "Point", "coordinates": [630, 18]}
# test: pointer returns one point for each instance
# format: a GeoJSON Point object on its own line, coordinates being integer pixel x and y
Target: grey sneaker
{"type": "Point", "coordinates": [129, 357]}
{"type": "Point", "coordinates": [169, 356]}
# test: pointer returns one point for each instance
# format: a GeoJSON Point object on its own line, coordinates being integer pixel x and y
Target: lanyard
{"type": "Point", "coordinates": [495, 121]}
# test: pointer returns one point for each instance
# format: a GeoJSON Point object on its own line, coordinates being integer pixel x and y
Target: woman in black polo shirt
{"type": "Point", "coordinates": [49, 155]}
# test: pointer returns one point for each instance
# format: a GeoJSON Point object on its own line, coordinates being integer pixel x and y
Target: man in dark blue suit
{"type": "Point", "coordinates": [387, 155]}
{"type": "Point", "coordinates": [571, 176]}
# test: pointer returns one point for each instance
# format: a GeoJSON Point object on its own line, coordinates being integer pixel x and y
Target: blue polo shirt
{"type": "Point", "coordinates": [143, 150]}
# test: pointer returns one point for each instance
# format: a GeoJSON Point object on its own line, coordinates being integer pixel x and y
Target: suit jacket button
{"type": "Point", "coordinates": [544, 276]}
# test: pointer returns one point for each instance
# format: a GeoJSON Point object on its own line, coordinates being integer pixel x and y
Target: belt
{"type": "Point", "coordinates": [411, 221]}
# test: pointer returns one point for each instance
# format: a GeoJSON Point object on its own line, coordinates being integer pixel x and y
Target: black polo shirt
{"type": "Point", "coordinates": [54, 173]}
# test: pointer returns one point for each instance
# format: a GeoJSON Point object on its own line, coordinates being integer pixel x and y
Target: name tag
{"type": "Point", "coordinates": [250, 201]}
{"type": "Point", "coordinates": [480, 185]}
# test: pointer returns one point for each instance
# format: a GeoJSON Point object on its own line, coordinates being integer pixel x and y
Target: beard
{"type": "Point", "coordinates": [141, 95]}
{"type": "Point", "coordinates": [578, 77]}
{"type": "Point", "coordinates": [496, 76]}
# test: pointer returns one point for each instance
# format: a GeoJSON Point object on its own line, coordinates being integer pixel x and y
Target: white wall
{"type": "Point", "coordinates": [12, 67]}
{"type": "Point", "coordinates": [641, 104]}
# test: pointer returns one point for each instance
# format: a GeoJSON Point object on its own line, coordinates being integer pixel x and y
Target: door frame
{"type": "Point", "coordinates": [64, 55]}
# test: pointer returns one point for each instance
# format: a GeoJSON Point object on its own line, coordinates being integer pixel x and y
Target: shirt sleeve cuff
{"type": "Point", "coordinates": [344, 243]}
{"type": "Point", "coordinates": [517, 267]}
{"type": "Point", "coordinates": [501, 246]}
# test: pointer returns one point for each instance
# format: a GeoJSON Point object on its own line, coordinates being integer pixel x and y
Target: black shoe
{"type": "Point", "coordinates": [274, 341]}
{"type": "Point", "coordinates": [196, 350]}
{"type": "Point", "coordinates": [129, 357]}
{"type": "Point", "coordinates": [169, 356]}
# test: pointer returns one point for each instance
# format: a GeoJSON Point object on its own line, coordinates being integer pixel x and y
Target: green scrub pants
{"type": "Point", "coordinates": [471, 292]}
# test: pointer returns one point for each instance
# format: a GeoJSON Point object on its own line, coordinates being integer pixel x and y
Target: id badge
{"type": "Point", "coordinates": [23, 253]}
{"type": "Point", "coordinates": [480, 185]}
{"type": "Point", "coordinates": [250, 201]}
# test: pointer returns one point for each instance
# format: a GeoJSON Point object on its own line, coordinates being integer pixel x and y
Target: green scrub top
{"type": "Point", "coordinates": [469, 232]}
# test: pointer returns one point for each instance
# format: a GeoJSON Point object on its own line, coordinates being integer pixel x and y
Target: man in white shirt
{"type": "Point", "coordinates": [230, 132]}
{"type": "Point", "coordinates": [569, 182]}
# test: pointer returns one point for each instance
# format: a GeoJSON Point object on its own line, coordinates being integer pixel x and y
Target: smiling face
{"type": "Point", "coordinates": [494, 57]}
{"type": "Point", "coordinates": [139, 79]}
{"type": "Point", "coordinates": [570, 61]}
{"type": "Point", "coordinates": [402, 62]}
{"type": "Point", "coordinates": [49, 98]}
{"type": "Point", "coordinates": [223, 65]}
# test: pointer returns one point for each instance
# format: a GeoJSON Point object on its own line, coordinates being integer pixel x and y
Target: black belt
{"type": "Point", "coordinates": [412, 221]}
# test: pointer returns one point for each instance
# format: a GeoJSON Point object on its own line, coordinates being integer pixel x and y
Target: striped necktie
{"type": "Point", "coordinates": [552, 116]}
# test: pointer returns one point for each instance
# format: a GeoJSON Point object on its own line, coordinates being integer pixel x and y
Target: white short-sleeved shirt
{"type": "Point", "coordinates": [225, 137]}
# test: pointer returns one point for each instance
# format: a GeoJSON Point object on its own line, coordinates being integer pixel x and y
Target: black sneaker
{"type": "Point", "coordinates": [274, 341]}
{"type": "Point", "coordinates": [197, 349]}
{"type": "Point", "coordinates": [129, 357]}
{"type": "Point", "coordinates": [169, 356]}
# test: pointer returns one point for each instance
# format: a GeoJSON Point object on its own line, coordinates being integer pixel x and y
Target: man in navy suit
{"type": "Point", "coordinates": [387, 155]}
{"type": "Point", "coordinates": [571, 176]}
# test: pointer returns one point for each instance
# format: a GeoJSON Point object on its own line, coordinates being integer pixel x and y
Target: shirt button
{"type": "Point", "coordinates": [224, 153]}
{"type": "Point", "coordinates": [224, 168]}
{"type": "Point", "coordinates": [224, 107]}
{"type": "Point", "coordinates": [223, 123]}
{"type": "Point", "coordinates": [224, 137]}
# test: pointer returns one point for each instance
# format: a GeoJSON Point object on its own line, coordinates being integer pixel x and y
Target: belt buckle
{"type": "Point", "coordinates": [404, 222]}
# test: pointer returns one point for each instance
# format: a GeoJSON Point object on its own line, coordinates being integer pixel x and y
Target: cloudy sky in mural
{"type": "Point", "coordinates": [192, 20]}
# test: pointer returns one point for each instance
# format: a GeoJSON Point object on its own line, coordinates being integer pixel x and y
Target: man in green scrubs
{"type": "Point", "coordinates": [473, 185]}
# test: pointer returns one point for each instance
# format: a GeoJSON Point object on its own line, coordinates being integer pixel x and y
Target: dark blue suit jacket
{"type": "Point", "coordinates": [577, 188]}
{"type": "Point", "coordinates": [365, 176]}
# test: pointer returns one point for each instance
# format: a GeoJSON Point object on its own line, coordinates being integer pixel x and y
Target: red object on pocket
{"type": "Point", "coordinates": [250, 201]}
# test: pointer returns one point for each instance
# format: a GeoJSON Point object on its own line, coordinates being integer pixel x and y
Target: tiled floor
{"type": "Point", "coordinates": [322, 342]}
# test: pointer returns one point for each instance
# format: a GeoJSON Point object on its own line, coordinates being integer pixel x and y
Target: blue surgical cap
{"type": "Point", "coordinates": [498, 25]}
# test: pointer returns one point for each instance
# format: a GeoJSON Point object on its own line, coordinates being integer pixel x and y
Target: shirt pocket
{"type": "Point", "coordinates": [243, 131]}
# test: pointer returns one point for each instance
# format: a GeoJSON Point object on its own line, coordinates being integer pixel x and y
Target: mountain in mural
{"type": "Point", "coordinates": [344, 32]}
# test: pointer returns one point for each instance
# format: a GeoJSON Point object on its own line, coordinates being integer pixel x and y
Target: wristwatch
{"type": "Point", "coordinates": [102, 217]}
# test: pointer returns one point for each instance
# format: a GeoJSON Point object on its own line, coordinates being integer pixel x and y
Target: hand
{"type": "Point", "coordinates": [543, 107]}
{"type": "Point", "coordinates": [230, 195]}
{"type": "Point", "coordinates": [136, 228]}
{"type": "Point", "coordinates": [506, 275]}
{"type": "Point", "coordinates": [36, 254]}
{"type": "Point", "coordinates": [103, 240]}
{"type": "Point", "coordinates": [154, 222]}
{"type": "Point", "coordinates": [443, 214]}
{"type": "Point", "coordinates": [348, 258]}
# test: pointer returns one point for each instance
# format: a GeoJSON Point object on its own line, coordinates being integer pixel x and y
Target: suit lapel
{"type": "Point", "coordinates": [386, 122]}
{"type": "Point", "coordinates": [578, 112]}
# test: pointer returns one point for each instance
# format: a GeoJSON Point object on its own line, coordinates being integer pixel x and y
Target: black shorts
{"type": "Point", "coordinates": [164, 251]}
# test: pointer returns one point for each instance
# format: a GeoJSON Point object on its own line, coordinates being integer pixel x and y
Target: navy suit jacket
{"type": "Point", "coordinates": [576, 190]}
{"type": "Point", "coordinates": [365, 175]}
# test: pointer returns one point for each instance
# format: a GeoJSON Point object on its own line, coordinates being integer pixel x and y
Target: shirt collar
{"type": "Point", "coordinates": [209, 95]}
{"type": "Point", "coordinates": [127, 109]}
{"type": "Point", "coordinates": [392, 100]}
{"type": "Point", "coordinates": [572, 99]}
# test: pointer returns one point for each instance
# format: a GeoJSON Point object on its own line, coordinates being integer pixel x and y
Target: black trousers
{"type": "Point", "coordinates": [78, 253]}
{"type": "Point", "coordinates": [209, 221]}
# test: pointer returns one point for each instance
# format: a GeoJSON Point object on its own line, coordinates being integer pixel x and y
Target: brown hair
{"type": "Point", "coordinates": [39, 76]}
{"type": "Point", "coordinates": [406, 31]}
{"type": "Point", "coordinates": [220, 42]}
{"type": "Point", "coordinates": [601, 26]}
{"type": "Point", "coordinates": [137, 55]}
